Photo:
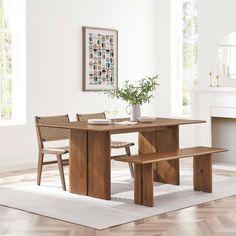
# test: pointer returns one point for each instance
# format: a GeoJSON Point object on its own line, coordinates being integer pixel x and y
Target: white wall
{"type": "Point", "coordinates": [216, 19]}
{"type": "Point", "coordinates": [164, 60]}
{"type": "Point", "coordinates": [54, 67]}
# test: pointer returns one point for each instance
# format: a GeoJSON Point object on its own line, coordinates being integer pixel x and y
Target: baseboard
{"type": "Point", "coordinates": [18, 165]}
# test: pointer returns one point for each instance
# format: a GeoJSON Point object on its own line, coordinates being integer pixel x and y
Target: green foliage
{"type": "Point", "coordinates": [6, 113]}
{"type": "Point", "coordinates": [5, 98]}
{"type": "Point", "coordinates": [189, 51]}
{"type": "Point", "coordinates": [5, 63]}
{"type": "Point", "coordinates": [134, 95]}
{"type": "Point", "coordinates": [186, 98]}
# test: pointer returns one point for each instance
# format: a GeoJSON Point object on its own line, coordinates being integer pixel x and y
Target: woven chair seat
{"type": "Point", "coordinates": [56, 150]}
{"type": "Point", "coordinates": [118, 144]}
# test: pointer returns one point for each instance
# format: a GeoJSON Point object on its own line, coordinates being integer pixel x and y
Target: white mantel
{"type": "Point", "coordinates": [219, 102]}
{"type": "Point", "coordinates": [212, 102]}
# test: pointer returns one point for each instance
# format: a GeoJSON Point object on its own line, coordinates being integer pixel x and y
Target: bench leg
{"type": "Point", "coordinates": [143, 184]}
{"type": "Point", "coordinates": [138, 184]}
{"type": "Point", "coordinates": [202, 173]}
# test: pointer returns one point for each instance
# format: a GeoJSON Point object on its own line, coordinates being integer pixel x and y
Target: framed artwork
{"type": "Point", "coordinates": [100, 59]}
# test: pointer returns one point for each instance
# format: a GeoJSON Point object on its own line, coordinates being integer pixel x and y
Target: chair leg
{"type": "Point", "coordinates": [40, 167]}
{"type": "Point", "coordinates": [131, 168]}
{"type": "Point", "coordinates": [61, 171]}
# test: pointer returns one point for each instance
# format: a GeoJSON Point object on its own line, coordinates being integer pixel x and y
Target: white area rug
{"type": "Point", "coordinates": [99, 214]}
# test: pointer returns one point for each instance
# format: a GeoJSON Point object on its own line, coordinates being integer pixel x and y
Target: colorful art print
{"type": "Point", "coordinates": [100, 59]}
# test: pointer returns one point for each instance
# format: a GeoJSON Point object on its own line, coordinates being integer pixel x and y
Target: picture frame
{"type": "Point", "coordinates": [100, 59]}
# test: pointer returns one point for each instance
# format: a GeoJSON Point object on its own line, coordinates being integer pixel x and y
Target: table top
{"type": "Point", "coordinates": [117, 128]}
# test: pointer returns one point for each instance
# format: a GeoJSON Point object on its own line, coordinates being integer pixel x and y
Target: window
{"type": "Point", "coordinates": [12, 61]}
{"type": "Point", "coordinates": [184, 54]}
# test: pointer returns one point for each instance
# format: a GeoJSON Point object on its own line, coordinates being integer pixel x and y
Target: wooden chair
{"type": "Point", "coordinates": [114, 144]}
{"type": "Point", "coordinates": [46, 134]}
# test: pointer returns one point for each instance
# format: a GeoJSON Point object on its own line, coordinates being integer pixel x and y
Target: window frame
{"type": "Point", "coordinates": [18, 83]}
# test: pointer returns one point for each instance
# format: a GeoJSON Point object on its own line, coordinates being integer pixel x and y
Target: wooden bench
{"type": "Point", "coordinates": [143, 172]}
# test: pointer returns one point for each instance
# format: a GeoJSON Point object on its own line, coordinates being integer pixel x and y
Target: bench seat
{"type": "Point", "coordinates": [143, 177]}
{"type": "Point", "coordinates": [181, 153]}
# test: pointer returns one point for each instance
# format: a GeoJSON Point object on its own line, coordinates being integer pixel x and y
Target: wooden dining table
{"type": "Point", "coordinates": [90, 155]}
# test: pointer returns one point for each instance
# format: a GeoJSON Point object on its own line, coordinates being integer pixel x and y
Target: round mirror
{"type": "Point", "coordinates": [227, 56]}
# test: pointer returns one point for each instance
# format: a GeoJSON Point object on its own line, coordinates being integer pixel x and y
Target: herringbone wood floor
{"type": "Point", "coordinates": [214, 218]}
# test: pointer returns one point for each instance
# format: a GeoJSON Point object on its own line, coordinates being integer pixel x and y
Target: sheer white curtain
{"type": "Point", "coordinates": [184, 54]}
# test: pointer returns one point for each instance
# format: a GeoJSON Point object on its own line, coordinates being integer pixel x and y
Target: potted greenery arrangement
{"type": "Point", "coordinates": [135, 96]}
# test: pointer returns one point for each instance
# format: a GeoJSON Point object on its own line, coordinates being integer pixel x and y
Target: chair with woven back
{"type": "Point", "coordinates": [114, 144]}
{"type": "Point", "coordinates": [48, 134]}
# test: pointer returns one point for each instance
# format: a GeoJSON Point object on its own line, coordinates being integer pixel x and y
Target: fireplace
{"type": "Point", "coordinates": [218, 107]}
{"type": "Point", "coordinates": [224, 135]}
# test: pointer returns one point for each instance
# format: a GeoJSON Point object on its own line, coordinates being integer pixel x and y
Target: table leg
{"type": "Point", "coordinates": [99, 159]}
{"type": "Point", "coordinates": [168, 171]}
{"type": "Point", "coordinates": [78, 162]}
{"type": "Point", "coordinates": [163, 140]}
{"type": "Point", "coordinates": [147, 143]}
